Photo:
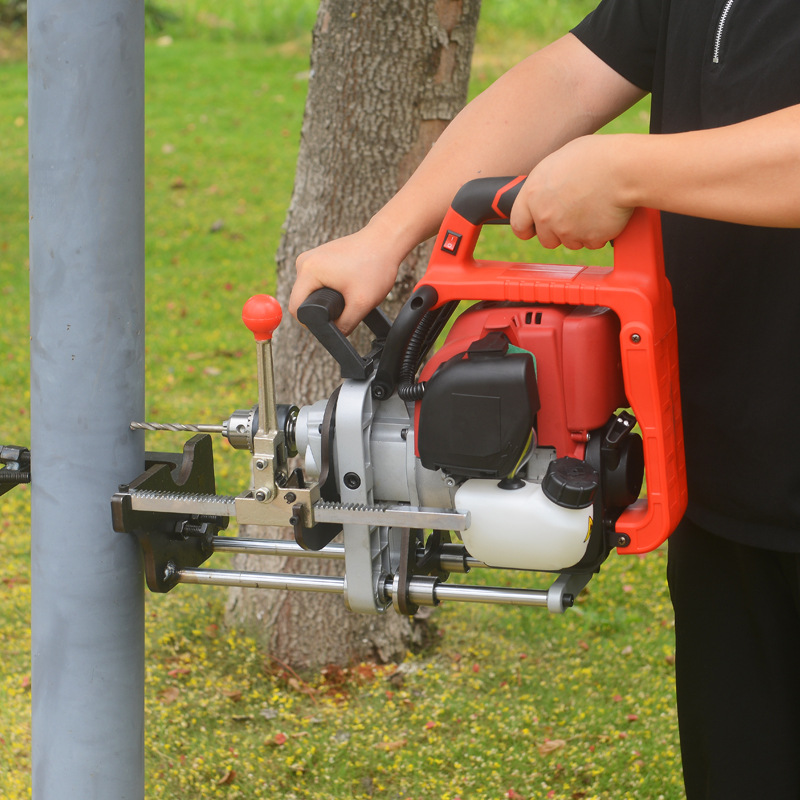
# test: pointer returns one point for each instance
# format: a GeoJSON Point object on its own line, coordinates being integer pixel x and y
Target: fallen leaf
{"type": "Point", "coordinates": [173, 673]}
{"type": "Point", "coordinates": [169, 695]}
{"type": "Point", "coordinates": [550, 746]}
{"type": "Point", "coordinates": [233, 694]}
{"type": "Point", "coordinates": [227, 778]}
{"type": "Point", "coordinates": [278, 740]}
{"type": "Point", "coordinates": [391, 746]}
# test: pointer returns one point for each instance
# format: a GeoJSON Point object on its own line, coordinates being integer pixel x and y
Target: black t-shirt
{"type": "Point", "coordinates": [736, 288]}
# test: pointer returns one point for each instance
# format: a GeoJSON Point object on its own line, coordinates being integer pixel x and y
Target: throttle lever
{"type": "Point", "coordinates": [318, 312]}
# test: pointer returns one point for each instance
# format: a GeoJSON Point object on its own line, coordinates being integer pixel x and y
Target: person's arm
{"type": "Point", "coordinates": [561, 92]}
{"type": "Point", "coordinates": [747, 173]}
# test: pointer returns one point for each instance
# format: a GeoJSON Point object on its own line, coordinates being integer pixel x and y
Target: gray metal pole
{"type": "Point", "coordinates": [86, 107]}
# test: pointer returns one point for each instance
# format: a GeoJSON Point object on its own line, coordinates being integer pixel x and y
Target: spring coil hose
{"type": "Point", "coordinates": [408, 388]}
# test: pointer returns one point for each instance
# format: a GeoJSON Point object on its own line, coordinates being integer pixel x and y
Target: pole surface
{"type": "Point", "coordinates": [86, 161]}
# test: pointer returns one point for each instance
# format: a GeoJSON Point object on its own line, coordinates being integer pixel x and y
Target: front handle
{"type": "Point", "coordinates": [318, 313]}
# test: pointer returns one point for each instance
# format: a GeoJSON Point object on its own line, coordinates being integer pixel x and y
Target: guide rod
{"type": "Point", "coordinates": [421, 591]}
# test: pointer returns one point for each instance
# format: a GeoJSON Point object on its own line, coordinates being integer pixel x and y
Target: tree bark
{"type": "Point", "coordinates": [387, 76]}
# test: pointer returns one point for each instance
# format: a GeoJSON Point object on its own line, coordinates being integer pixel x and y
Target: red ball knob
{"type": "Point", "coordinates": [262, 315]}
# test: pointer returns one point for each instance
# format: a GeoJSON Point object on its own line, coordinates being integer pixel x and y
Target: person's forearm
{"type": "Point", "coordinates": [555, 95]}
{"type": "Point", "coordinates": [747, 173]}
{"type": "Point", "coordinates": [562, 92]}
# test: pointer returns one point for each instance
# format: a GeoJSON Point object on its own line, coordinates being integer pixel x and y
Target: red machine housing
{"type": "Point", "coordinates": [603, 339]}
{"type": "Point", "coordinates": [578, 367]}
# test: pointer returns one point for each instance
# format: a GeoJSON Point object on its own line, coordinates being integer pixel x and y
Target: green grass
{"type": "Point", "coordinates": [508, 702]}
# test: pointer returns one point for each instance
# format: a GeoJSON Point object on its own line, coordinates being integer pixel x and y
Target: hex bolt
{"type": "Point", "coordinates": [262, 495]}
{"type": "Point", "coordinates": [260, 464]}
{"type": "Point", "coordinates": [352, 481]}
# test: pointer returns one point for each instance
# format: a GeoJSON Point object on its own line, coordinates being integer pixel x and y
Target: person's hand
{"type": "Point", "coordinates": [359, 266]}
{"type": "Point", "coordinates": [575, 196]}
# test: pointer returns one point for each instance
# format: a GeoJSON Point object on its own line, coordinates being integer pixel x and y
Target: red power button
{"type": "Point", "coordinates": [451, 242]}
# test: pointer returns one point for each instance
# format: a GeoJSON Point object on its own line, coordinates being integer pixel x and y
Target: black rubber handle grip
{"type": "Point", "coordinates": [487, 199]}
{"type": "Point", "coordinates": [321, 307]}
{"type": "Point", "coordinates": [318, 312]}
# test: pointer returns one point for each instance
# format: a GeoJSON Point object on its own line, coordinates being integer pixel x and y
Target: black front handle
{"type": "Point", "coordinates": [318, 313]}
{"type": "Point", "coordinates": [487, 199]}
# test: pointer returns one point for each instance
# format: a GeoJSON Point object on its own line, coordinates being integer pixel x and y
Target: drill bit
{"type": "Point", "coordinates": [175, 426]}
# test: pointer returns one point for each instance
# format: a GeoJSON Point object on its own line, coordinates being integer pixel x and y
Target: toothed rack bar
{"type": "Point", "coordinates": [217, 505]}
{"type": "Point", "coordinates": [397, 516]}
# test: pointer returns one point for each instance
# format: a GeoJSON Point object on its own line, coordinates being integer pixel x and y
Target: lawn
{"type": "Point", "coordinates": [507, 702]}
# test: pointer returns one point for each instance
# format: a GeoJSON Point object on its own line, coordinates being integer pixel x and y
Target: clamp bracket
{"type": "Point", "coordinates": [171, 541]}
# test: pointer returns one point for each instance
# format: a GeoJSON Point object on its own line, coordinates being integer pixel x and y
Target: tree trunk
{"type": "Point", "coordinates": [387, 76]}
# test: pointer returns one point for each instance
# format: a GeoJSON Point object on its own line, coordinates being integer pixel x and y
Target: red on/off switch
{"type": "Point", "coordinates": [451, 242]}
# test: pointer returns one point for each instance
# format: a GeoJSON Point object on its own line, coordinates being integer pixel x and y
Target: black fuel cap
{"type": "Point", "coordinates": [570, 482]}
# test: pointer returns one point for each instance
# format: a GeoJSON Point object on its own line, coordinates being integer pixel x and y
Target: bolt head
{"type": "Point", "coordinates": [352, 480]}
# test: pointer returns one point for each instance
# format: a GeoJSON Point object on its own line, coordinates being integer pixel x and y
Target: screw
{"type": "Point", "coordinates": [352, 481]}
{"type": "Point", "coordinates": [623, 540]}
{"type": "Point", "coordinates": [635, 338]}
{"type": "Point", "coordinates": [378, 392]}
{"type": "Point", "coordinates": [404, 434]}
{"type": "Point", "coordinates": [290, 497]}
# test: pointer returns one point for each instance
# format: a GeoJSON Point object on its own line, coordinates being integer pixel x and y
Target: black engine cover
{"type": "Point", "coordinates": [478, 410]}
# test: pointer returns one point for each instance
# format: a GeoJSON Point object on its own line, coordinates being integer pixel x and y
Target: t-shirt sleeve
{"type": "Point", "coordinates": [624, 34]}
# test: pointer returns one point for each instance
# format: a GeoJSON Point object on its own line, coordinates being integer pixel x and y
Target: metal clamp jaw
{"type": "Point", "coordinates": [16, 468]}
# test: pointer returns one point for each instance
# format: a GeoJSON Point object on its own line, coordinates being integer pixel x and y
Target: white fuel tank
{"type": "Point", "coordinates": [521, 528]}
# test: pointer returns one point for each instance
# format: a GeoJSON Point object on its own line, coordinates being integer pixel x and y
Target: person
{"type": "Point", "coordinates": [722, 163]}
